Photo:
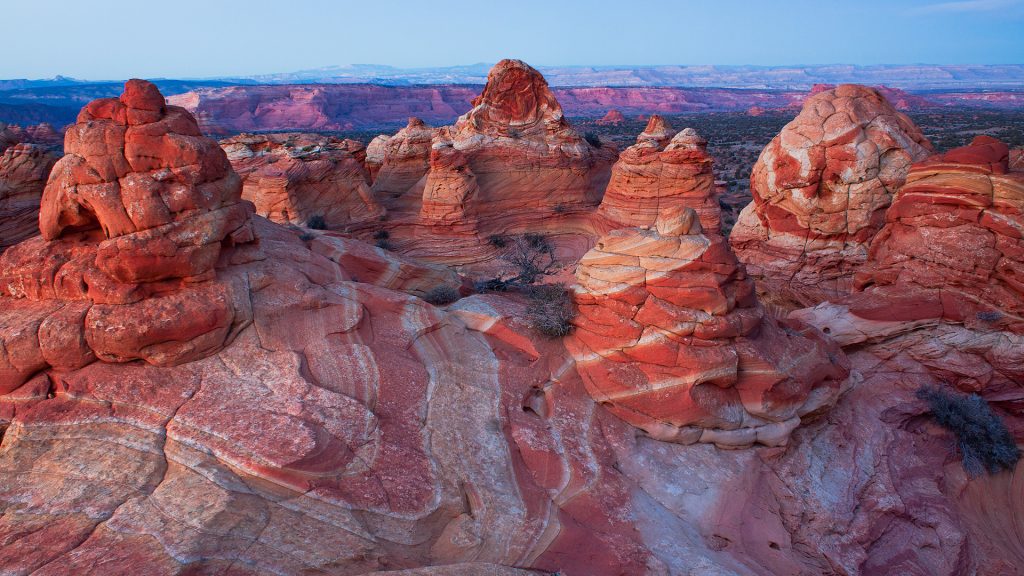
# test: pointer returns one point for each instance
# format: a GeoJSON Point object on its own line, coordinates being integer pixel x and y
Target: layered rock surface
{"type": "Point", "coordinates": [670, 337]}
{"type": "Point", "coordinates": [664, 169]}
{"type": "Point", "coordinates": [299, 178]}
{"type": "Point", "coordinates": [133, 219]}
{"type": "Point", "coordinates": [24, 169]}
{"type": "Point", "coordinates": [820, 191]}
{"type": "Point", "coordinates": [953, 243]}
{"type": "Point", "coordinates": [344, 426]}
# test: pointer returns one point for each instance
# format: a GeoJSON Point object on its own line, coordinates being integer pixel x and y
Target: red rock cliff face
{"type": "Point", "coordinates": [821, 188]}
{"type": "Point", "coordinates": [299, 178]}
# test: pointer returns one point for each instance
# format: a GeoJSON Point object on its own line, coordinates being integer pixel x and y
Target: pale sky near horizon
{"type": "Point", "coordinates": [114, 39]}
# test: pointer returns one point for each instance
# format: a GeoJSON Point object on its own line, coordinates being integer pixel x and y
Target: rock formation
{"type": "Point", "coordinates": [953, 243]}
{"type": "Point", "coordinates": [299, 178]}
{"type": "Point", "coordinates": [820, 190]}
{"type": "Point", "coordinates": [1017, 159]}
{"type": "Point", "coordinates": [192, 389]}
{"type": "Point", "coordinates": [450, 188]}
{"type": "Point", "coordinates": [398, 163]}
{"type": "Point", "coordinates": [24, 169]}
{"type": "Point", "coordinates": [528, 161]}
{"type": "Point", "coordinates": [670, 338]}
{"type": "Point", "coordinates": [612, 118]}
{"type": "Point", "coordinates": [132, 221]}
{"type": "Point", "coordinates": [662, 170]}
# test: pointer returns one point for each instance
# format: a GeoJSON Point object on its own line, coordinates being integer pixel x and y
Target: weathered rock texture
{"type": "Point", "coordinates": [820, 190]}
{"type": "Point", "coordinates": [24, 169]}
{"type": "Point", "coordinates": [513, 155]}
{"type": "Point", "coordinates": [344, 426]}
{"type": "Point", "coordinates": [399, 162]}
{"type": "Point", "coordinates": [953, 243]}
{"type": "Point", "coordinates": [132, 221]}
{"type": "Point", "coordinates": [664, 169]}
{"type": "Point", "coordinates": [296, 178]}
{"type": "Point", "coordinates": [671, 338]}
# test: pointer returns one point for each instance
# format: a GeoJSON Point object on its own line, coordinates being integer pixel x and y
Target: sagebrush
{"type": "Point", "coordinates": [984, 441]}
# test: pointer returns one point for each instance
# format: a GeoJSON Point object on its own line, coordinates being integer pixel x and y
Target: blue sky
{"type": "Point", "coordinates": [190, 38]}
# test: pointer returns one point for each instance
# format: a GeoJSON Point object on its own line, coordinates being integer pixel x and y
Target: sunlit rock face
{"type": "Point", "coordinates": [664, 169]}
{"type": "Point", "coordinates": [299, 178]}
{"type": "Point", "coordinates": [820, 191]}
{"type": "Point", "coordinates": [670, 337]}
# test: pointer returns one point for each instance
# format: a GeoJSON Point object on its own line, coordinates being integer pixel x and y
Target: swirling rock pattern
{"type": "Point", "coordinates": [293, 178]}
{"type": "Point", "coordinates": [820, 191]}
{"type": "Point", "coordinates": [24, 169]}
{"type": "Point", "coordinates": [671, 338]}
{"type": "Point", "coordinates": [662, 170]}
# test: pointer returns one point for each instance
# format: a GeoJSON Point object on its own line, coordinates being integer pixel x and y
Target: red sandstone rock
{"type": "Point", "coordinates": [24, 169]}
{"type": "Point", "coordinates": [953, 243]}
{"type": "Point", "coordinates": [450, 191]}
{"type": "Point", "coordinates": [351, 428]}
{"type": "Point", "coordinates": [527, 159]}
{"type": "Point", "coordinates": [132, 220]}
{"type": "Point", "coordinates": [671, 339]}
{"type": "Point", "coordinates": [1017, 159]}
{"type": "Point", "coordinates": [662, 170]}
{"type": "Point", "coordinates": [293, 178]}
{"type": "Point", "coordinates": [820, 192]}
{"type": "Point", "coordinates": [612, 118]}
{"type": "Point", "coordinates": [399, 163]}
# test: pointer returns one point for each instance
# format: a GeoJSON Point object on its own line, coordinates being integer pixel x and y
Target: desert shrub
{"type": "Point", "coordinates": [984, 442]}
{"type": "Point", "coordinates": [497, 240]}
{"type": "Point", "coordinates": [560, 208]}
{"type": "Point", "coordinates": [514, 134]}
{"type": "Point", "coordinates": [490, 285]}
{"type": "Point", "coordinates": [989, 315]}
{"type": "Point", "coordinates": [381, 235]}
{"type": "Point", "coordinates": [316, 222]}
{"type": "Point", "coordinates": [384, 244]}
{"type": "Point", "coordinates": [442, 295]}
{"type": "Point", "coordinates": [306, 236]}
{"type": "Point", "coordinates": [531, 255]}
{"type": "Point", "coordinates": [593, 139]}
{"type": "Point", "coordinates": [550, 310]}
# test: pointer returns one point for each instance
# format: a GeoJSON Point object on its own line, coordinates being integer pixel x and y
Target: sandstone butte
{"type": "Point", "coordinates": [664, 169]}
{"type": "Point", "coordinates": [298, 178]}
{"type": "Point", "coordinates": [613, 117]}
{"type": "Point", "coordinates": [820, 190]}
{"type": "Point", "coordinates": [189, 388]}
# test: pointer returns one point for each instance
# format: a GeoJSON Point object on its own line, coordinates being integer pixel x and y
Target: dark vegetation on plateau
{"type": "Point", "coordinates": [982, 438]}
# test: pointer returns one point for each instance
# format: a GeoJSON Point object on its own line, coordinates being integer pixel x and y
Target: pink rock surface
{"type": "Point", "coordinates": [293, 178]}
{"type": "Point", "coordinates": [820, 191]}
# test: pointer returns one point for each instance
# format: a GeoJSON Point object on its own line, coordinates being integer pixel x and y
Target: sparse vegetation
{"type": "Point", "coordinates": [381, 235]}
{"type": "Point", "coordinates": [984, 442]}
{"type": "Point", "coordinates": [442, 295]}
{"type": "Point", "coordinates": [316, 222]}
{"type": "Point", "coordinates": [514, 134]}
{"type": "Point", "coordinates": [550, 311]}
{"type": "Point", "coordinates": [384, 244]}
{"type": "Point", "coordinates": [560, 208]}
{"type": "Point", "coordinates": [497, 240]}
{"type": "Point", "coordinates": [593, 139]}
{"type": "Point", "coordinates": [531, 255]}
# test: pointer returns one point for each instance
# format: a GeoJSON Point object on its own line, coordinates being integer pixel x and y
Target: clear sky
{"type": "Point", "coordinates": [113, 39]}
